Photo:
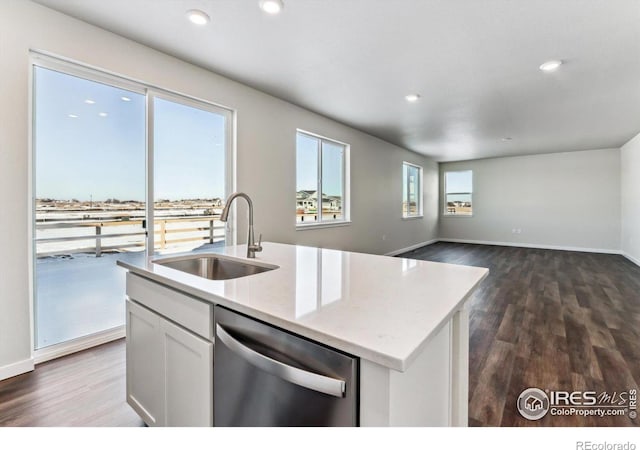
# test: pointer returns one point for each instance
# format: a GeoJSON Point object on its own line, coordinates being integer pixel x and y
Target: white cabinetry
{"type": "Point", "coordinates": [169, 368]}
{"type": "Point", "coordinates": [188, 376]}
{"type": "Point", "coordinates": [145, 384]}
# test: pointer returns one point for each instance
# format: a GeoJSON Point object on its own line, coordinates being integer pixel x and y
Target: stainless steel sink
{"type": "Point", "coordinates": [214, 267]}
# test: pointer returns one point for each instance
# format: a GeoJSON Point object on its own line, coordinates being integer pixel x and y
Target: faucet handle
{"type": "Point", "coordinates": [259, 243]}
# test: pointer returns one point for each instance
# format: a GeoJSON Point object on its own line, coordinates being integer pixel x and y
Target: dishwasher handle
{"type": "Point", "coordinates": [306, 379]}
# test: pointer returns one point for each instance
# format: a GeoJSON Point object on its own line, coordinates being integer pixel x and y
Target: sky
{"type": "Point", "coordinates": [90, 143]}
{"type": "Point", "coordinates": [189, 152]}
{"type": "Point", "coordinates": [458, 182]}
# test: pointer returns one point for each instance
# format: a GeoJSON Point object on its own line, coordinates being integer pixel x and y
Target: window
{"type": "Point", "coordinates": [458, 193]}
{"type": "Point", "coordinates": [411, 190]}
{"type": "Point", "coordinates": [321, 167]}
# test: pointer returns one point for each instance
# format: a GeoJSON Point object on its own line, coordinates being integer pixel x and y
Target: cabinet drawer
{"type": "Point", "coordinates": [191, 313]}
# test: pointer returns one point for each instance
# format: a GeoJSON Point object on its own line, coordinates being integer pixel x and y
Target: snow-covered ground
{"type": "Point", "coordinates": [80, 294]}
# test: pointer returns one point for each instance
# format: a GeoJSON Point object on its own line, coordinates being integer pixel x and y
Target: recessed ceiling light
{"type": "Point", "coordinates": [198, 17]}
{"type": "Point", "coordinates": [73, 116]}
{"type": "Point", "coordinates": [271, 6]}
{"type": "Point", "coordinates": [103, 114]}
{"type": "Point", "coordinates": [550, 66]}
{"type": "Point", "coordinates": [125, 99]}
{"type": "Point", "coordinates": [412, 98]}
{"type": "Point", "coordinates": [89, 101]}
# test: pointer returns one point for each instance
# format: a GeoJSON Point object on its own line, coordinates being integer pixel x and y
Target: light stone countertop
{"type": "Point", "coordinates": [379, 308]}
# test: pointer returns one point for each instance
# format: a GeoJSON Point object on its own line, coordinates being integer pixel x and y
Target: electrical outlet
{"type": "Point", "coordinates": [519, 231]}
{"type": "Point", "coordinates": [384, 237]}
{"type": "Point", "coordinates": [513, 231]}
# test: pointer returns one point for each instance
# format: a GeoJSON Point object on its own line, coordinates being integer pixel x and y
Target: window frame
{"type": "Point", "coordinates": [445, 212]}
{"type": "Point", "coordinates": [346, 201]}
{"type": "Point", "coordinates": [419, 213]}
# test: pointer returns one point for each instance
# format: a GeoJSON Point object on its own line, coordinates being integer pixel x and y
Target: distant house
{"type": "Point", "coordinates": [459, 204]}
{"type": "Point", "coordinates": [307, 201]}
{"type": "Point", "coordinates": [334, 202]}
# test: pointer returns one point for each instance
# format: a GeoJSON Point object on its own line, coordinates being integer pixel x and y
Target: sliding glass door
{"type": "Point", "coordinates": [190, 165]}
{"type": "Point", "coordinates": [89, 180]}
{"type": "Point", "coordinates": [103, 148]}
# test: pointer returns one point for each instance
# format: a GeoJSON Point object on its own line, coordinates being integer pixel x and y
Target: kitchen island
{"type": "Point", "coordinates": [404, 321]}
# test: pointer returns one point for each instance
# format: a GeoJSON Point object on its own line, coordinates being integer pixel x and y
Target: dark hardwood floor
{"type": "Point", "coordinates": [83, 389]}
{"type": "Point", "coordinates": [549, 319]}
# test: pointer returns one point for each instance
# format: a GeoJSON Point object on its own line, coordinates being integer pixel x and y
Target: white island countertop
{"type": "Point", "coordinates": [380, 308]}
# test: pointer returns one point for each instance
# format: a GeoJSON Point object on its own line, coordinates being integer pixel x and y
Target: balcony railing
{"type": "Point", "coordinates": [166, 234]}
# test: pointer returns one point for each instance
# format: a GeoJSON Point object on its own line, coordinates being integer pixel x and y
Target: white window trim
{"type": "Point", "coordinates": [444, 195]}
{"type": "Point", "coordinates": [420, 213]}
{"type": "Point", "coordinates": [346, 184]}
{"type": "Point", "coordinates": [421, 216]}
{"type": "Point", "coordinates": [332, 224]}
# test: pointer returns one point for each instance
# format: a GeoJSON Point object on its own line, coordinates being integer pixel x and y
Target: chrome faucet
{"type": "Point", "coordinates": [252, 247]}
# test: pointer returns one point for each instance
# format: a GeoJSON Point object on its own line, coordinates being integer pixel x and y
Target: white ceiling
{"type": "Point", "coordinates": [475, 64]}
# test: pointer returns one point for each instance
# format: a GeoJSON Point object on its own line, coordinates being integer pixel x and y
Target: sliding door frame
{"type": "Point", "coordinates": [67, 66]}
{"type": "Point", "coordinates": [229, 149]}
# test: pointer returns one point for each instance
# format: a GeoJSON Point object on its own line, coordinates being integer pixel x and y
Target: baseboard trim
{"type": "Point", "coordinates": [79, 344]}
{"type": "Point", "coordinates": [411, 247]}
{"type": "Point", "coordinates": [636, 261]}
{"type": "Point", "coordinates": [17, 368]}
{"type": "Point", "coordinates": [540, 246]}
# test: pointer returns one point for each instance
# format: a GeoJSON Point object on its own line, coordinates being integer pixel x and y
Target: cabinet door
{"type": "Point", "coordinates": [145, 365]}
{"type": "Point", "coordinates": [188, 371]}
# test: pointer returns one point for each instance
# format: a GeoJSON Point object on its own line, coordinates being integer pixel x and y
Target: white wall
{"type": "Point", "coordinates": [564, 200]}
{"type": "Point", "coordinates": [630, 190]}
{"type": "Point", "coordinates": [266, 130]}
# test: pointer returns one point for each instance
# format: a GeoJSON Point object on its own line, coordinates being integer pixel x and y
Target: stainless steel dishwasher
{"type": "Point", "coordinates": [264, 376]}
